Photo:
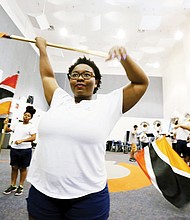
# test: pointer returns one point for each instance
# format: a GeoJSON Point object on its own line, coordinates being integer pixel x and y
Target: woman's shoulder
{"type": "Point", "coordinates": [60, 95]}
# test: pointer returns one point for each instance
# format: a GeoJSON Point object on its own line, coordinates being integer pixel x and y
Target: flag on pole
{"type": "Point", "coordinates": [167, 171]}
{"type": "Point", "coordinates": [7, 89]}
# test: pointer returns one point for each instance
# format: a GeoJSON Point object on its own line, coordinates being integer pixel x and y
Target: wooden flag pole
{"type": "Point", "coordinates": [92, 52]}
{"type": "Point", "coordinates": [3, 133]}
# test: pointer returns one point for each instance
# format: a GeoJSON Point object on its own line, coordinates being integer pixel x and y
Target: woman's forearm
{"type": "Point", "coordinates": [134, 72]}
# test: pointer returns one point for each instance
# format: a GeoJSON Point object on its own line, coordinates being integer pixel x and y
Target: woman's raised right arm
{"type": "Point", "coordinates": [47, 75]}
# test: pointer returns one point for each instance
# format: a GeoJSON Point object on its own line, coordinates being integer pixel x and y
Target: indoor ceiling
{"type": "Point", "coordinates": [147, 28]}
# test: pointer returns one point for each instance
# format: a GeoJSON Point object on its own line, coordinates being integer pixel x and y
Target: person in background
{"type": "Point", "coordinates": [182, 134]}
{"type": "Point", "coordinates": [133, 141]}
{"type": "Point", "coordinates": [144, 140]}
{"type": "Point", "coordinates": [158, 130]}
{"type": "Point", "coordinates": [21, 150]}
{"type": "Point", "coordinates": [188, 150]}
{"type": "Point", "coordinates": [173, 135]}
{"type": "Point", "coordinates": [67, 173]}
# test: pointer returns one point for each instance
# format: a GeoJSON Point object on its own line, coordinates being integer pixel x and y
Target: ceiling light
{"type": "Point", "coordinates": [178, 35]}
{"type": "Point", "coordinates": [121, 34]}
{"type": "Point", "coordinates": [39, 21]}
{"type": "Point", "coordinates": [63, 32]}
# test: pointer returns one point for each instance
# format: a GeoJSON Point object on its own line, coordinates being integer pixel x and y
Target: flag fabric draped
{"type": "Point", "coordinates": [7, 89]}
{"type": "Point", "coordinates": [167, 171]}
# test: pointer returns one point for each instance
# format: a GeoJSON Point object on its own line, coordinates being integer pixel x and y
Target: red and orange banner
{"type": "Point", "coordinates": [7, 90]}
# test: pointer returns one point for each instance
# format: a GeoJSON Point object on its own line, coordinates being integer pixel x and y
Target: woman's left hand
{"type": "Point", "coordinates": [118, 52]}
{"type": "Point", "coordinates": [18, 142]}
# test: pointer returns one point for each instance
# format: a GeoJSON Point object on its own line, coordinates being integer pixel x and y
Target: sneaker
{"type": "Point", "coordinates": [132, 160]}
{"type": "Point", "coordinates": [19, 191]}
{"type": "Point", "coordinates": [10, 190]}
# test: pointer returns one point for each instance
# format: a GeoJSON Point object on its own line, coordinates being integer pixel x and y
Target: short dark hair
{"type": "Point", "coordinates": [90, 63]}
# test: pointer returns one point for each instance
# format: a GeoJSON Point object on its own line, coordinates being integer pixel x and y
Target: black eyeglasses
{"type": "Point", "coordinates": [86, 75]}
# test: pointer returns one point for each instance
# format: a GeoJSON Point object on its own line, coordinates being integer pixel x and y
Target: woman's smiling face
{"type": "Point", "coordinates": [83, 88]}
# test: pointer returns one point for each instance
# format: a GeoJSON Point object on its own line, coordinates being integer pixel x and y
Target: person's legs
{"type": "Point", "coordinates": [23, 174]}
{"type": "Point", "coordinates": [174, 146]}
{"type": "Point", "coordinates": [132, 153]}
{"type": "Point", "coordinates": [14, 174]}
{"type": "Point", "coordinates": [25, 156]}
{"type": "Point", "coordinates": [12, 187]}
{"type": "Point", "coordinates": [23, 162]}
{"type": "Point", "coordinates": [180, 144]}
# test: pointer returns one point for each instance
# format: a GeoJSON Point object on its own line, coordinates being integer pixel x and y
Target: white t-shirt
{"type": "Point", "coordinates": [22, 131]}
{"type": "Point", "coordinates": [69, 161]}
{"type": "Point", "coordinates": [133, 137]}
{"type": "Point", "coordinates": [182, 134]}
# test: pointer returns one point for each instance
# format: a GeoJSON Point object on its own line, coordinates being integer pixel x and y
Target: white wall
{"type": "Point", "coordinates": [126, 124]}
{"type": "Point", "coordinates": [176, 78]}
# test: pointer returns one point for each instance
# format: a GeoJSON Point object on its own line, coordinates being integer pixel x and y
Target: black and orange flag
{"type": "Point", "coordinates": [167, 171]}
{"type": "Point", "coordinates": [7, 89]}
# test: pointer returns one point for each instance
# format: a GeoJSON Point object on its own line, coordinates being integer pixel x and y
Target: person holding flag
{"type": "Point", "coordinates": [67, 172]}
{"type": "Point", "coordinates": [7, 89]}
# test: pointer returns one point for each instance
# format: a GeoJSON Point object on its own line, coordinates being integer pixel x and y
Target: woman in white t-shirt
{"type": "Point", "coordinates": [21, 150]}
{"type": "Point", "coordinates": [67, 171]}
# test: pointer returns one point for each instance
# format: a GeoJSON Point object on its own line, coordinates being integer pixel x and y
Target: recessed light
{"type": "Point", "coordinates": [178, 35]}
{"type": "Point", "coordinates": [121, 34]}
{"type": "Point", "coordinates": [63, 32]}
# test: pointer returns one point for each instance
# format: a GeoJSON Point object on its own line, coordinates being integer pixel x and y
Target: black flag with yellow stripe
{"type": "Point", "coordinates": [167, 171]}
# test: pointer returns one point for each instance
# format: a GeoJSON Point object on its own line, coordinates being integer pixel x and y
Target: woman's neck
{"type": "Point", "coordinates": [79, 99]}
